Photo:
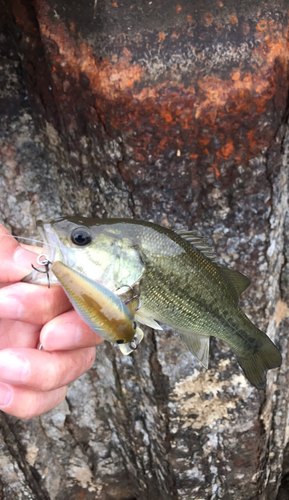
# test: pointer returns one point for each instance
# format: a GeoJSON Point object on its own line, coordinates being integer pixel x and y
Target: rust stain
{"type": "Point", "coordinates": [176, 115]}
{"type": "Point", "coordinates": [262, 25]}
{"type": "Point", "coordinates": [178, 9]}
{"type": "Point", "coordinates": [234, 20]}
{"type": "Point", "coordinates": [108, 78]}
{"type": "Point", "coordinates": [227, 150]}
{"type": "Point", "coordinates": [216, 170]}
{"type": "Point", "coordinates": [189, 18]}
{"type": "Point", "coordinates": [208, 18]}
{"type": "Point", "coordinates": [236, 75]}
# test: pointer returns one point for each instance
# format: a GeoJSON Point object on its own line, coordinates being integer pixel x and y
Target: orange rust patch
{"type": "Point", "coordinates": [210, 102]}
{"type": "Point", "coordinates": [110, 79]}
{"type": "Point", "coordinates": [208, 18]}
{"type": "Point", "coordinates": [236, 75]}
{"type": "Point", "coordinates": [204, 141]}
{"type": "Point", "coordinates": [217, 172]}
{"type": "Point", "coordinates": [262, 26]}
{"type": "Point", "coordinates": [162, 36]}
{"type": "Point", "coordinates": [234, 20]}
{"type": "Point", "coordinates": [178, 9]}
{"type": "Point", "coordinates": [221, 4]}
{"type": "Point", "coordinates": [189, 18]}
{"type": "Point", "coordinates": [228, 149]}
{"type": "Point", "coordinates": [114, 4]}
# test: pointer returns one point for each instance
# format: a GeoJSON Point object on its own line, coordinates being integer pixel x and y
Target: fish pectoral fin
{"type": "Point", "coordinates": [147, 320]}
{"type": "Point", "coordinates": [199, 345]}
{"type": "Point", "coordinates": [238, 280]}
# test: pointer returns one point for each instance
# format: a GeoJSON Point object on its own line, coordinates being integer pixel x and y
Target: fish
{"type": "Point", "coordinates": [103, 311]}
{"type": "Point", "coordinates": [178, 278]}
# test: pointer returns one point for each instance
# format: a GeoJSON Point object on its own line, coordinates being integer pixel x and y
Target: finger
{"type": "Point", "coordinates": [68, 331]}
{"type": "Point", "coordinates": [18, 334]}
{"type": "Point", "coordinates": [32, 303]}
{"type": "Point", "coordinates": [15, 260]}
{"type": "Point", "coordinates": [24, 403]}
{"type": "Point", "coordinates": [41, 370]}
{"type": "Point", "coordinates": [32, 248]}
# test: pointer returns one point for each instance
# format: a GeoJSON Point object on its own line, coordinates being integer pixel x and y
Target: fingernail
{"type": "Point", "coordinates": [24, 258]}
{"type": "Point", "coordinates": [13, 368]}
{"type": "Point", "coordinates": [57, 338]}
{"type": "Point", "coordinates": [9, 306]}
{"type": "Point", "coordinates": [5, 395]}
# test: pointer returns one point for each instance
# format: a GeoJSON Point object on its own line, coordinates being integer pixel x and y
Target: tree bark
{"type": "Point", "coordinates": [175, 113]}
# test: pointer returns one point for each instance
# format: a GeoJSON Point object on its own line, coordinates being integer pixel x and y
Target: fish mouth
{"type": "Point", "coordinates": [49, 238]}
{"type": "Point", "coordinates": [54, 249]}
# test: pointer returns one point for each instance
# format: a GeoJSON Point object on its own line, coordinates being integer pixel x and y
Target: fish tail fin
{"type": "Point", "coordinates": [256, 364]}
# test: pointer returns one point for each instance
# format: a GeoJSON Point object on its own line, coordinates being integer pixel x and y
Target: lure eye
{"type": "Point", "coordinates": [120, 341]}
{"type": "Point", "coordinates": [81, 236]}
{"type": "Point", "coordinates": [134, 325]}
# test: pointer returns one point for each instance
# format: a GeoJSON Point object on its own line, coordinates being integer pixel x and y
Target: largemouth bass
{"type": "Point", "coordinates": [102, 310]}
{"type": "Point", "coordinates": [179, 281]}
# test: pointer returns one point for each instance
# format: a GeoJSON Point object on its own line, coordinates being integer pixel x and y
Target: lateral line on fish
{"type": "Point", "coordinates": [246, 339]}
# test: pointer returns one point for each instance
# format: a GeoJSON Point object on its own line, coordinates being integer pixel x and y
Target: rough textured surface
{"type": "Point", "coordinates": [176, 114]}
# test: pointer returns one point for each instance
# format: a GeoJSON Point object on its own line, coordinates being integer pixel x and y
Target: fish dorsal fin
{"type": "Point", "coordinates": [199, 345]}
{"type": "Point", "coordinates": [147, 320]}
{"type": "Point", "coordinates": [238, 280]}
{"type": "Point", "coordinates": [198, 242]}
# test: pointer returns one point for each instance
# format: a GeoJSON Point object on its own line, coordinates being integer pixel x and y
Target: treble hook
{"type": "Point", "coordinates": [46, 263]}
{"type": "Point", "coordinates": [132, 297]}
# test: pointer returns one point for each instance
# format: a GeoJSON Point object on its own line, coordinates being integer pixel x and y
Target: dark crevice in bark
{"type": "Point", "coordinates": [283, 492]}
{"type": "Point", "coordinates": [35, 68]}
{"type": "Point", "coordinates": [1, 491]}
{"type": "Point", "coordinates": [126, 449]}
{"type": "Point", "coordinates": [71, 427]}
{"type": "Point", "coordinates": [13, 444]}
{"type": "Point", "coordinates": [271, 174]}
{"type": "Point", "coordinates": [161, 386]}
{"type": "Point", "coordinates": [263, 448]}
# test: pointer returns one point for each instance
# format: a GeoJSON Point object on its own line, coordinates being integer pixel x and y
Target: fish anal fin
{"type": "Point", "coordinates": [198, 242]}
{"type": "Point", "coordinates": [199, 345]}
{"type": "Point", "coordinates": [238, 280]}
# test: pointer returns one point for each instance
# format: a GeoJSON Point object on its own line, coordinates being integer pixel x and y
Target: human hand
{"type": "Point", "coordinates": [33, 381]}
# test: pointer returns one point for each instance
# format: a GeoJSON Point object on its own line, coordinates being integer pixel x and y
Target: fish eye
{"type": "Point", "coordinates": [120, 341]}
{"type": "Point", "coordinates": [134, 325]}
{"type": "Point", "coordinates": [81, 236]}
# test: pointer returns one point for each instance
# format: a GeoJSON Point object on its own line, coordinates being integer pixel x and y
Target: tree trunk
{"type": "Point", "coordinates": [175, 113]}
